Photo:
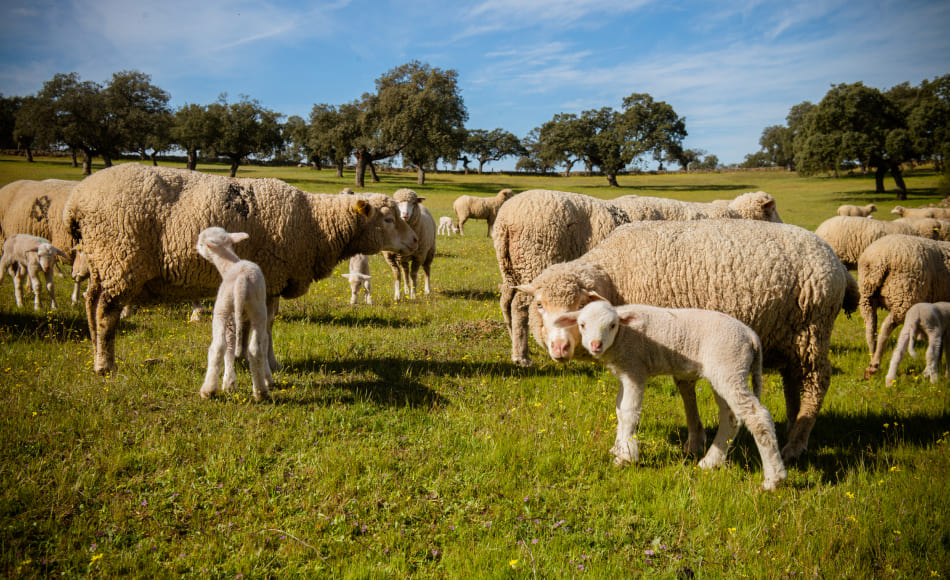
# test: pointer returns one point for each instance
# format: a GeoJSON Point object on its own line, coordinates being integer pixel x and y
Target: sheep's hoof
{"type": "Point", "coordinates": [870, 372]}
{"type": "Point", "coordinates": [262, 396]}
{"type": "Point", "coordinates": [522, 362]}
{"type": "Point", "coordinates": [791, 452]}
{"type": "Point", "coordinates": [207, 394]}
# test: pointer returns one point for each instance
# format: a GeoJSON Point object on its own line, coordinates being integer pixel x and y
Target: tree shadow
{"type": "Point", "coordinates": [351, 320]}
{"type": "Point", "coordinates": [472, 294]}
{"type": "Point", "coordinates": [59, 327]}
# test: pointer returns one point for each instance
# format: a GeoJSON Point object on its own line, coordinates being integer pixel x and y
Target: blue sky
{"type": "Point", "coordinates": [729, 68]}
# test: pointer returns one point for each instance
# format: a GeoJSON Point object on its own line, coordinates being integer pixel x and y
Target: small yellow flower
{"type": "Point", "coordinates": [850, 495]}
{"type": "Point", "coordinates": [95, 558]}
{"type": "Point", "coordinates": [895, 468]}
{"type": "Point", "coordinates": [513, 564]}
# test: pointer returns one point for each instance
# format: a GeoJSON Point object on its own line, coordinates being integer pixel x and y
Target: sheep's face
{"type": "Point", "coordinates": [47, 254]}
{"type": "Point", "coordinates": [407, 209]}
{"type": "Point", "coordinates": [381, 227]}
{"type": "Point", "coordinates": [598, 323]}
{"type": "Point", "coordinates": [559, 340]}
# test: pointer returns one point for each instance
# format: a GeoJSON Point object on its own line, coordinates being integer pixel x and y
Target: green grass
{"type": "Point", "coordinates": [403, 443]}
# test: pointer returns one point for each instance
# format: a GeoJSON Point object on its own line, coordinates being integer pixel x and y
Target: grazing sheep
{"type": "Point", "coordinates": [848, 236]}
{"type": "Point", "coordinates": [30, 255]}
{"type": "Point", "coordinates": [405, 265]}
{"type": "Point", "coordinates": [447, 226]}
{"type": "Point", "coordinates": [359, 278]}
{"type": "Point", "coordinates": [242, 297]}
{"type": "Point", "coordinates": [347, 191]}
{"type": "Point", "coordinates": [138, 226]}
{"type": "Point", "coordinates": [857, 210]}
{"type": "Point", "coordinates": [541, 227]}
{"type": "Point", "coordinates": [479, 208]}
{"type": "Point", "coordinates": [36, 208]}
{"type": "Point", "coordinates": [782, 281]}
{"type": "Point", "coordinates": [638, 342]}
{"type": "Point", "coordinates": [922, 212]}
{"type": "Point", "coordinates": [895, 273]}
{"type": "Point", "coordinates": [923, 318]}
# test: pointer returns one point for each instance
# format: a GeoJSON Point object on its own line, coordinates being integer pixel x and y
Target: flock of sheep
{"type": "Point", "coordinates": [649, 286]}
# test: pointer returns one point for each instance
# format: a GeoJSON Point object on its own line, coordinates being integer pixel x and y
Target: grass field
{"type": "Point", "coordinates": [403, 443]}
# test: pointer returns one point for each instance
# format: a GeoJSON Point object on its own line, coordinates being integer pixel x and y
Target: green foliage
{"type": "Point", "coordinates": [403, 443]}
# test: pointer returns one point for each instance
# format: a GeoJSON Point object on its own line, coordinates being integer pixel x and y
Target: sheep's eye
{"type": "Point", "coordinates": [582, 325]}
{"type": "Point", "coordinates": [390, 219]}
{"type": "Point", "coordinates": [540, 307]}
{"type": "Point", "coordinates": [613, 326]}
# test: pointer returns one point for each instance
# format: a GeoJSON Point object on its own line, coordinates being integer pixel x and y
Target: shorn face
{"type": "Point", "coordinates": [598, 323]}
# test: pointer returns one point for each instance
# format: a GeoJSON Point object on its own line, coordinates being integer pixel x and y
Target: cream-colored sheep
{"type": "Point", "coordinates": [895, 273]}
{"type": "Point", "coordinates": [447, 226]}
{"type": "Point", "coordinates": [359, 278]}
{"type": "Point", "coordinates": [848, 236]}
{"type": "Point", "coordinates": [541, 227]}
{"type": "Point", "coordinates": [30, 255]}
{"type": "Point", "coordinates": [479, 208]}
{"type": "Point", "coordinates": [638, 342]}
{"type": "Point", "coordinates": [139, 224]}
{"type": "Point", "coordinates": [932, 321]}
{"type": "Point", "coordinates": [405, 265]}
{"type": "Point", "coordinates": [36, 208]}
{"type": "Point", "coordinates": [782, 281]}
{"type": "Point", "coordinates": [857, 210]}
{"type": "Point", "coordinates": [922, 212]}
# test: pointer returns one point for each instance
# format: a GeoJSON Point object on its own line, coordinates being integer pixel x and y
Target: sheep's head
{"type": "Point", "coordinates": [899, 210]}
{"type": "Point", "coordinates": [506, 194]}
{"type": "Point", "coordinates": [756, 205]}
{"type": "Point", "coordinates": [47, 254]}
{"type": "Point", "coordinates": [218, 241]}
{"type": "Point", "coordinates": [407, 200]}
{"type": "Point", "coordinates": [599, 322]}
{"type": "Point", "coordinates": [380, 227]}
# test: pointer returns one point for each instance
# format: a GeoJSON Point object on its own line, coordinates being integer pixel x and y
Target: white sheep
{"type": "Point", "coordinates": [895, 273]}
{"type": "Point", "coordinates": [447, 226]}
{"type": "Point", "coordinates": [923, 318]}
{"type": "Point", "coordinates": [541, 227]}
{"type": "Point", "coordinates": [479, 208]}
{"type": "Point", "coordinates": [921, 212]}
{"type": "Point", "coordinates": [359, 278]}
{"type": "Point", "coordinates": [857, 210]}
{"type": "Point", "coordinates": [781, 280]}
{"type": "Point", "coordinates": [638, 342]}
{"type": "Point", "coordinates": [36, 208]}
{"type": "Point", "coordinates": [242, 297]}
{"type": "Point", "coordinates": [849, 236]}
{"type": "Point", "coordinates": [138, 226]}
{"type": "Point", "coordinates": [30, 255]}
{"type": "Point", "coordinates": [405, 265]}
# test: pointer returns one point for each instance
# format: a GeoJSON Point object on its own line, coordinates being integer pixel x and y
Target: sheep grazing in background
{"type": "Point", "coordinates": [849, 236]}
{"type": "Point", "coordinates": [922, 212]}
{"type": "Point", "coordinates": [242, 297]}
{"type": "Point", "coordinates": [30, 255]}
{"type": "Point", "coordinates": [447, 226]}
{"type": "Point", "coordinates": [347, 191]}
{"type": "Point", "coordinates": [895, 273]}
{"type": "Point", "coordinates": [479, 208]}
{"type": "Point", "coordinates": [923, 318]}
{"type": "Point", "coordinates": [359, 278]}
{"type": "Point", "coordinates": [541, 227]}
{"type": "Point", "coordinates": [857, 210]}
{"type": "Point", "coordinates": [138, 226]}
{"type": "Point", "coordinates": [405, 265]}
{"type": "Point", "coordinates": [792, 289]}
{"type": "Point", "coordinates": [638, 342]}
{"type": "Point", "coordinates": [36, 208]}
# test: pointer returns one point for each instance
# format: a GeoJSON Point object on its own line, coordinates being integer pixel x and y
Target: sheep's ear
{"type": "Point", "coordinates": [629, 317]}
{"type": "Point", "coordinates": [526, 288]}
{"type": "Point", "coordinates": [769, 204]}
{"type": "Point", "coordinates": [566, 320]}
{"type": "Point", "coordinates": [420, 199]}
{"type": "Point", "coordinates": [592, 296]}
{"type": "Point", "coordinates": [238, 237]}
{"type": "Point", "coordinates": [362, 208]}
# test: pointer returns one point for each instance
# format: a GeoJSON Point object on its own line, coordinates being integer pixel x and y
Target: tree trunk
{"type": "Point", "coordinates": [73, 155]}
{"type": "Point", "coordinates": [420, 175]}
{"type": "Point", "coordinates": [107, 160]}
{"type": "Point", "coordinates": [360, 180]}
{"type": "Point", "coordinates": [612, 179]}
{"type": "Point", "coordinates": [339, 169]}
{"type": "Point", "coordinates": [568, 165]}
{"type": "Point", "coordinates": [372, 171]}
{"type": "Point", "coordinates": [192, 162]}
{"type": "Point", "coordinates": [29, 155]}
{"type": "Point", "coordinates": [899, 180]}
{"type": "Point", "coordinates": [234, 167]}
{"type": "Point", "coordinates": [879, 178]}
{"type": "Point", "coordinates": [480, 165]}
{"type": "Point", "coordinates": [86, 163]}
{"type": "Point", "coordinates": [154, 157]}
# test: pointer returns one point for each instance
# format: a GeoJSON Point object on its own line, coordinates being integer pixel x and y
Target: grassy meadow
{"type": "Point", "coordinates": [402, 442]}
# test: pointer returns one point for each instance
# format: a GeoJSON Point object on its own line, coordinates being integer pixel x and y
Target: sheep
{"type": "Point", "coordinates": [36, 207]}
{"type": "Point", "coordinates": [30, 255]}
{"type": "Point", "coordinates": [138, 226]}
{"type": "Point", "coordinates": [928, 212]}
{"type": "Point", "coordinates": [923, 318]}
{"type": "Point", "coordinates": [848, 236]}
{"type": "Point", "coordinates": [637, 342]}
{"type": "Point", "coordinates": [242, 297]}
{"type": "Point", "coordinates": [405, 265]}
{"type": "Point", "coordinates": [541, 227]}
{"type": "Point", "coordinates": [480, 208]}
{"type": "Point", "coordinates": [447, 226]}
{"type": "Point", "coordinates": [857, 210]}
{"type": "Point", "coordinates": [783, 281]}
{"type": "Point", "coordinates": [359, 278]}
{"type": "Point", "coordinates": [895, 273]}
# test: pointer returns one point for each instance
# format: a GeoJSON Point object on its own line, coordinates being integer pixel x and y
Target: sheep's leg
{"type": "Point", "coordinates": [868, 310]}
{"type": "Point", "coordinates": [696, 441]}
{"type": "Point", "coordinates": [367, 296]}
{"type": "Point", "coordinates": [462, 225]}
{"type": "Point", "coordinates": [17, 276]}
{"type": "Point", "coordinates": [410, 272]}
{"type": "Point", "coordinates": [520, 305]}
{"type": "Point", "coordinates": [35, 285]}
{"type": "Point", "coordinates": [50, 289]}
{"type": "Point", "coordinates": [108, 309]}
{"type": "Point", "coordinates": [890, 322]}
{"type": "Point", "coordinates": [75, 295]}
{"type": "Point", "coordinates": [728, 427]}
{"type": "Point", "coordinates": [426, 268]}
{"type": "Point", "coordinates": [629, 406]}
{"type": "Point", "coordinates": [397, 277]}
{"type": "Point", "coordinates": [814, 385]}
{"type": "Point", "coordinates": [934, 348]}
{"type": "Point", "coordinates": [216, 356]}
{"type": "Point", "coordinates": [256, 358]}
{"type": "Point", "coordinates": [273, 305]}
{"type": "Point", "coordinates": [196, 309]}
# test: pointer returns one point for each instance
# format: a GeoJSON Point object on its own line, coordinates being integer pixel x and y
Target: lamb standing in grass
{"type": "Point", "coordinates": [30, 255]}
{"type": "Point", "coordinates": [447, 226]}
{"type": "Point", "coordinates": [932, 320]}
{"type": "Point", "coordinates": [405, 265]}
{"type": "Point", "coordinates": [359, 278]}
{"type": "Point", "coordinates": [638, 342]}
{"type": "Point", "coordinates": [479, 208]}
{"type": "Point", "coordinates": [242, 297]}
{"type": "Point", "coordinates": [857, 210]}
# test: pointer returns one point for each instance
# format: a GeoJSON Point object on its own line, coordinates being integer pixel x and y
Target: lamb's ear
{"type": "Point", "coordinates": [566, 320]}
{"type": "Point", "coordinates": [592, 296]}
{"type": "Point", "coordinates": [362, 208]}
{"type": "Point", "coordinates": [526, 288]}
{"type": "Point", "coordinates": [628, 316]}
{"type": "Point", "coordinates": [238, 237]}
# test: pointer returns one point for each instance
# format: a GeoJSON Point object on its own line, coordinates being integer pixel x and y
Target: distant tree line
{"type": "Point", "coordinates": [860, 127]}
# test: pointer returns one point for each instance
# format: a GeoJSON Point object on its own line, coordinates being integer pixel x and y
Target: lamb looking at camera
{"type": "Point", "coordinates": [242, 297]}
{"type": "Point", "coordinates": [932, 320]}
{"type": "Point", "coordinates": [637, 342]}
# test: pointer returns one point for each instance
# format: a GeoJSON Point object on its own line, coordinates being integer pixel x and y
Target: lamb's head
{"type": "Point", "coordinates": [379, 226]}
{"type": "Point", "coordinates": [217, 243]}
{"type": "Point", "coordinates": [756, 205]}
{"type": "Point", "coordinates": [408, 202]}
{"type": "Point", "coordinates": [899, 210]}
{"type": "Point", "coordinates": [506, 194]}
{"type": "Point", "coordinates": [47, 254]}
{"type": "Point", "coordinates": [598, 323]}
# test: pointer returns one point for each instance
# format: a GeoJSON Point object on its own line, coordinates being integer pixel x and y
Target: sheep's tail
{"type": "Point", "coordinates": [757, 369]}
{"type": "Point", "coordinates": [852, 295]}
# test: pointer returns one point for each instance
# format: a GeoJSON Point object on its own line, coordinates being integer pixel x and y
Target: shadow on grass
{"type": "Point", "coordinates": [59, 326]}
{"type": "Point", "coordinates": [691, 187]}
{"type": "Point", "coordinates": [473, 294]}
{"type": "Point", "coordinates": [351, 320]}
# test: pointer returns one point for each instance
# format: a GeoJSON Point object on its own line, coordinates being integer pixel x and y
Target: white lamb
{"type": "Point", "coordinates": [637, 342]}
{"type": "Point", "coordinates": [242, 297]}
{"type": "Point", "coordinates": [447, 226]}
{"type": "Point", "coordinates": [359, 278]}
{"type": "Point", "coordinates": [30, 255]}
{"type": "Point", "coordinates": [932, 319]}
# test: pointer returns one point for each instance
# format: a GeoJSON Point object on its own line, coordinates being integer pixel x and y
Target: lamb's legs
{"type": "Point", "coordinates": [257, 361]}
{"type": "Point", "coordinates": [216, 355]}
{"type": "Point", "coordinates": [626, 448]}
{"type": "Point", "coordinates": [696, 441]}
{"type": "Point", "coordinates": [934, 348]}
{"type": "Point", "coordinates": [728, 427]}
{"type": "Point", "coordinates": [50, 289]}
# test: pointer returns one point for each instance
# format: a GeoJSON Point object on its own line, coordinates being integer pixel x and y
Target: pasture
{"type": "Point", "coordinates": [402, 442]}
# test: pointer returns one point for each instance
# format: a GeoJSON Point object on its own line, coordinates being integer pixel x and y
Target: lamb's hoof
{"type": "Point", "coordinates": [207, 394]}
{"type": "Point", "coordinates": [870, 372]}
{"type": "Point", "coordinates": [263, 396]}
{"type": "Point", "coordinates": [523, 362]}
{"type": "Point", "coordinates": [791, 452]}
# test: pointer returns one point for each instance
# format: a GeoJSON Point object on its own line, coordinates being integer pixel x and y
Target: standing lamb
{"type": "Point", "coordinates": [447, 226]}
{"type": "Point", "coordinates": [139, 225]}
{"type": "Point", "coordinates": [792, 289]}
{"type": "Point", "coordinates": [405, 265]}
{"type": "Point", "coordinates": [857, 210]}
{"type": "Point", "coordinates": [921, 212]}
{"type": "Point", "coordinates": [541, 227]}
{"type": "Point", "coordinates": [30, 255]}
{"type": "Point", "coordinates": [479, 208]}
{"type": "Point", "coordinates": [638, 342]}
{"type": "Point", "coordinates": [932, 320]}
{"type": "Point", "coordinates": [242, 297]}
{"type": "Point", "coordinates": [895, 273]}
{"type": "Point", "coordinates": [359, 278]}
